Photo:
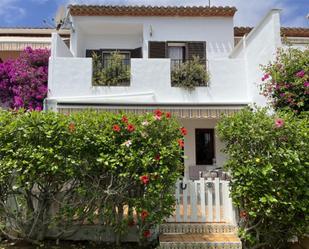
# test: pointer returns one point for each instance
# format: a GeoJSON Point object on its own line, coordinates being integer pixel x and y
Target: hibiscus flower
{"type": "Point", "coordinates": [279, 122]}
{"type": "Point", "coordinates": [116, 128]}
{"type": "Point", "coordinates": [184, 131]}
{"type": "Point", "coordinates": [130, 128]}
{"type": "Point", "coordinates": [144, 179]}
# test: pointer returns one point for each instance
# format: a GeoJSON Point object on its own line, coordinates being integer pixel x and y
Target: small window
{"type": "Point", "coordinates": [106, 55]}
{"type": "Point", "coordinates": [204, 146]}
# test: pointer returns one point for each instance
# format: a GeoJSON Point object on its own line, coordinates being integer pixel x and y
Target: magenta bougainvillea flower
{"type": "Point", "coordinates": [23, 82]}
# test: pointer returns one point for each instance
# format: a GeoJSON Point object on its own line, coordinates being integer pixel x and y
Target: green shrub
{"type": "Point", "coordinates": [113, 73]}
{"type": "Point", "coordinates": [190, 74]}
{"type": "Point", "coordinates": [269, 164]}
{"type": "Point", "coordinates": [286, 80]}
{"type": "Point", "coordinates": [109, 169]}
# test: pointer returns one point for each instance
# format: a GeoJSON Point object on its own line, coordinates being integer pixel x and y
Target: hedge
{"type": "Point", "coordinates": [113, 170]}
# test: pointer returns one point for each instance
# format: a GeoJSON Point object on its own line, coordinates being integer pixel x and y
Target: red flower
{"type": "Point", "coordinates": [181, 143]}
{"type": "Point", "coordinates": [157, 157]}
{"type": "Point", "coordinates": [144, 179]}
{"type": "Point", "coordinates": [158, 113]}
{"type": "Point", "coordinates": [146, 234]}
{"type": "Point", "coordinates": [72, 127]}
{"type": "Point", "coordinates": [168, 115]}
{"type": "Point", "coordinates": [130, 128]}
{"type": "Point", "coordinates": [116, 128]}
{"type": "Point", "coordinates": [124, 119]}
{"type": "Point", "coordinates": [144, 214]}
{"type": "Point", "coordinates": [184, 131]}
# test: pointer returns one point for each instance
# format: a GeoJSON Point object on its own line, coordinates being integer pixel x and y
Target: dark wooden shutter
{"type": "Point", "coordinates": [136, 53]}
{"type": "Point", "coordinates": [89, 52]}
{"type": "Point", "coordinates": [157, 49]}
{"type": "Point", "coordinates": [196, 49]}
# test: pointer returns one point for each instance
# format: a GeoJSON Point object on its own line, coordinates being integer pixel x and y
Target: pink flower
{"type": "Point", "coordinates": [282, 95]}
{"type": "Point", "coordinates": [306, 84]}
{"type": "Point", "coordinates": [300, 74]}
{"type": "Point", "coordinates": [265, 77]}
{"type": "Point", "coordinates": [279, 122]}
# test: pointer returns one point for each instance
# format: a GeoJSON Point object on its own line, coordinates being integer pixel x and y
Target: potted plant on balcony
{"type": "Point", "coordinates": [111, 72]}
{"type": "Point", "coordinates": [190, 74]}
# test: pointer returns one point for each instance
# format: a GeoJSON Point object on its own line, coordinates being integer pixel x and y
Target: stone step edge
{"type": "Point", "coordinates": [197, 228]}
{"type": "Point", "coordinates": [204, 245]}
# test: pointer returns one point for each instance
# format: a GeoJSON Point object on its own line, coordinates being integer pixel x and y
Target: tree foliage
{"type": "Point", "coordinates": [23, 82]}
{"type": "Point", "coordinates": [269, 164]}
{"type": "Point", "coordinates": [60, 172]}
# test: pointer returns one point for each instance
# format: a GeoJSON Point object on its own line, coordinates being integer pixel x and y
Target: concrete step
{"type": "Point", "coordinates": [200, 241]}
{"type": "Point", "coordinates": [197, 228]}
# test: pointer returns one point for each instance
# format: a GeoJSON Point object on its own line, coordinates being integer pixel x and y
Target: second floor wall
{"type": "Point", "coordinates": [128, 33]}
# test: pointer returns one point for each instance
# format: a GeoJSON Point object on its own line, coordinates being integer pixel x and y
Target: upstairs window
{"type": "Point", "coordinates": [106, 58]}
{"type": "Point", "coordinates": [204, 146]}
{"type": "Point", "coordinates": [177, 53]}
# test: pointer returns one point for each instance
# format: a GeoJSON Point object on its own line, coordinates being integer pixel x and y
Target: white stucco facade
{"type": "Point", "coordinates": [234, 71]}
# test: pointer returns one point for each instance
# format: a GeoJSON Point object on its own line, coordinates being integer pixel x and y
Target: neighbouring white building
{"type": "Point", "coordinates": [151, 41]}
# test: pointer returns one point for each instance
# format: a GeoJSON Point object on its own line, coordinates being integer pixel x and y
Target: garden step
{"type": "Point", "coordinates": [197, 228]}
{"type": "Point", "coordinates": [200, 241]}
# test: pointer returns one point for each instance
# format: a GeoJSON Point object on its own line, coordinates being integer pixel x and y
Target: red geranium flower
{"type": "Point", "coordinates": [184, 131]}
{"type": "Point", "coordinates": [168, 115]}
{"type": "Point", "coordinates": [130, 128]}
{"type": "Point", "coordinates": [144, 179]}
{"type": "Point", "coordinates": [116, 128]}
{"type": "Point", "coordinates": [72, 127]}
{"type": "Point", "coordinates": [144, 214]}
{"type": "Point", "coordinates": [146, 234]}
{"type": "Point", "coordinates": [157, 157]}
{"type": "Point", "coordinates": [181, 143]}
{"type": "Point", "coordinates": [124, 119]}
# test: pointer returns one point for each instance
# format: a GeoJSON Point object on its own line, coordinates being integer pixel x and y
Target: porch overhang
{"type": "Point", "coordinates": [196, 110]}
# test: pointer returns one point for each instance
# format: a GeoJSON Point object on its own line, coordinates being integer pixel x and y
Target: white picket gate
{"type": "Point", "coordinates": [203, 201]}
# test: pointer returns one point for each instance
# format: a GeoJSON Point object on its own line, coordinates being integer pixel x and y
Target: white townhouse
{"type": "Point", "coordinates": [152, 42]}
{"type": "Point", "coordinates": [159, 51]}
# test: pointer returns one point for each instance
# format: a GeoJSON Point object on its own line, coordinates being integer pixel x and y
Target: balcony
{"type": "Point", "coordinates": [71, 79]}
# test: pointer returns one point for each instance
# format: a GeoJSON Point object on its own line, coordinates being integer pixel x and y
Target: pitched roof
{"type": "Point", "coordinates": [288, 32]}
{"type": "Point", "coordinates": [110, 10]}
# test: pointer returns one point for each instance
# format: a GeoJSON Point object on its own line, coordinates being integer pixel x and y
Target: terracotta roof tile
{"type": "Point", "coordinates": [288, 32]}
{"type": "Point", "coordinates": [109, 10]}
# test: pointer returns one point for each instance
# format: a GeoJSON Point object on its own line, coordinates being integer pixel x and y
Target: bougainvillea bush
{"type": "Point", "coordinates": [269, 164]}
{"type": "Point", "coordinates": [113, 170]}
{"type": "Point", "coordinates": [286, 80]}
{"type": "Point", "coordinates": [23, 82]}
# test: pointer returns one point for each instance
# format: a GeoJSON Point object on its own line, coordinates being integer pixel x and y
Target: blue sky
{"type": "Point", "coordinates": [25, 13]}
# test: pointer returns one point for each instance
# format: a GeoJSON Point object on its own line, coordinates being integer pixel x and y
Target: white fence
{"type": "Point", "coordinates": [203, 201]}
